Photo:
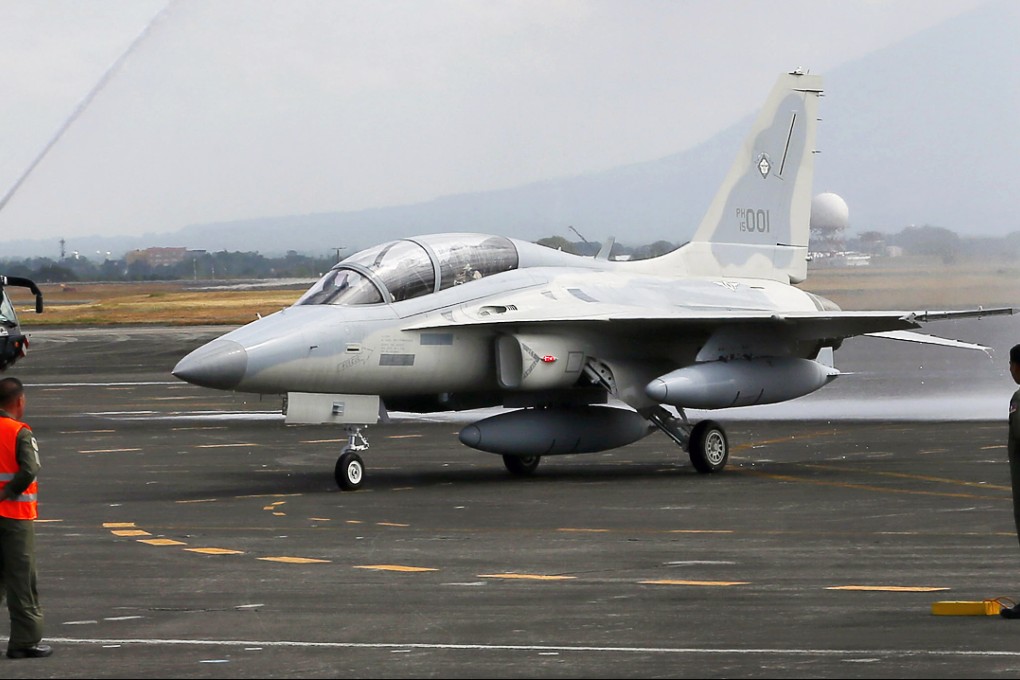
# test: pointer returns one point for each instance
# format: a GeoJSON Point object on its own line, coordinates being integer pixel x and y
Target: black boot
{"type": "Point", "coordinates": [1010, 612]}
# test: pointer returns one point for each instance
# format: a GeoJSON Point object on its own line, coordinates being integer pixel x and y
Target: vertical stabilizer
{"type": "Point", "coordinates": [758, 224]}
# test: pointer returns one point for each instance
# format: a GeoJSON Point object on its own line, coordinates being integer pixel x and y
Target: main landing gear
{"type": "Point", "coordinates": [350, 469]}
{"type": "Point", "coordinates": [705, 442]}
{"type": "Point", "coordinates": [522, 466]}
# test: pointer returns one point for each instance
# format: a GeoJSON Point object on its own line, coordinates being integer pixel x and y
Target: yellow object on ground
{"type": "Point", "coordinates": [958, 608]}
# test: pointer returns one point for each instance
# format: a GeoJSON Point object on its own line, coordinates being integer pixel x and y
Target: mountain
{"type": "Point", "coordinates": [926, 132]}
{"type": "Point", "coordinates": [922, 132]}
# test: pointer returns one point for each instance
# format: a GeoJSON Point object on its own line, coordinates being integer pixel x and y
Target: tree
{"type": "Point", "coordinates": [54, 273]}
{"type": "Point", "coordinates": [928, 240]}
{"type": "Point", "coordinates": [558, 243]}
{"type": "Point", "coordinates": [654, 250]}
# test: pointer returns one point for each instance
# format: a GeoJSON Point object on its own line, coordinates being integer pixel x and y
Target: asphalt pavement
{"type": "Point", "coordinates": [186, 532]}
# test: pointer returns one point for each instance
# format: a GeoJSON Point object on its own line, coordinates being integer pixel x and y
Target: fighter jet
{"type": "Point", "coordinates": [13, 342]}
{"type": "Point", "coordinates": [587, 353]}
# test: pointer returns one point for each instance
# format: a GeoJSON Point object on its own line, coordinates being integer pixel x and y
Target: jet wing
{"type": "Point", "coordinates": [909, 336]}
{"type": "Point", "coordinates": [803, 324]}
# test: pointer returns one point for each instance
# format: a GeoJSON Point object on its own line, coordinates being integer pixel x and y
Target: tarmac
{"type": "Point", "coordinates": [186, 532]}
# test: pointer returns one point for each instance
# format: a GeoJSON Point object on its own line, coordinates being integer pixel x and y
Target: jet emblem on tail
{"type": "Point", "coordinates": [460, 321]}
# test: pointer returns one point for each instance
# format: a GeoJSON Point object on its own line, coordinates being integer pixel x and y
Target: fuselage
{"type": "Point", "coordinates": [454, 341]}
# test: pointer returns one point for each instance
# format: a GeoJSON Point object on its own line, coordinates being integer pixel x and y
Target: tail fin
{"type": "Point", "coordinates": [758, 224]}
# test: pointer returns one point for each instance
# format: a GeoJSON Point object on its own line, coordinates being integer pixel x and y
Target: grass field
{"type": "Point", "coordinates": [919, 283]}
{"type": "Point", "coordinates": [176, 303]}
{"type": "Point", "coordinates": [902, 284]}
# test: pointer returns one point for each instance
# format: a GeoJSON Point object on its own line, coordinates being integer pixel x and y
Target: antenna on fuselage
{"type": "Point", "coordinates": [571, 228]}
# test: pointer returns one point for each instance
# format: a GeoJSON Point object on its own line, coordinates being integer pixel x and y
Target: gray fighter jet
{"type": "Point", "coordinates": [13, 341]}
{"type": "Point", "coordinates": [589, 353]}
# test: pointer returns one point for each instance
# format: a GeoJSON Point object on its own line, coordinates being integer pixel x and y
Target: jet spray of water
{"type": "Point", "coordinates": [86, 100]}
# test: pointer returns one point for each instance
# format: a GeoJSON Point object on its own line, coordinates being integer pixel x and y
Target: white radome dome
{"type": "Point", "coordinates": [828, 212]}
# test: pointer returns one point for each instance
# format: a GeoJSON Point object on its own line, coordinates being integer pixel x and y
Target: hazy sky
{"type": "Point", "coordinates": [235, 109]}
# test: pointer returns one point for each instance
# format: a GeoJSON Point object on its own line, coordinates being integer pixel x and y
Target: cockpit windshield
{"type": "Point", "coordinates": [7, 315]}
{"type": "Point", "coordinates": [401, 270]}
{"type": "Point", "coordinates": [342, 287]}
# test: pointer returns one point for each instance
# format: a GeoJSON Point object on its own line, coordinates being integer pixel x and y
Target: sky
{"type": "Point", "coordinates": [235, 109]}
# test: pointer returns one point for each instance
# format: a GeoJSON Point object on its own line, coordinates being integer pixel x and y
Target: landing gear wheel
{"type": "Point", "coordinates": [709, 449]}
{"type": "Point", "coordinates": [521, 465]}
{"type": "Point", "coordinates": [349, 471]}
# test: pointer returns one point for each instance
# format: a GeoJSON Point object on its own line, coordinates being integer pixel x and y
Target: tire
{"type": "Point", "coordinates": [349, 471]}
{"type": "Point", "coordinates": [709, 448]}
{"type": "Point", "coordinates": [521, 466]}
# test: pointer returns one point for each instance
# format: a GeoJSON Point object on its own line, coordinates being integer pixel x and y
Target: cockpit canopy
{"type": "Point", "coordinates": [8, 317]}
{"type": "Point", "coordinates": [408, 268]}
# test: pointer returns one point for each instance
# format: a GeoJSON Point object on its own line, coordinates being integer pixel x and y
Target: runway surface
{"type": "Point", "coordinates": [190, 533]}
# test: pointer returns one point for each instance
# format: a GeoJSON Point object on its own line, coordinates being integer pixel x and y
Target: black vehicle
{"type": "Point", "coordinates": [14, 343]}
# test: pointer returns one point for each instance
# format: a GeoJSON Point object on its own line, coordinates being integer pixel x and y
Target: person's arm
{"type": "Point", "coordinates": [27, 455]}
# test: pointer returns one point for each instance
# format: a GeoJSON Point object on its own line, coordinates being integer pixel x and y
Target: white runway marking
{"type": "Point", "coordinates": [545, 648]}
{"type": "Point", "coordinates": [135, 383]}
{"type": "Point", "coordinates": [188, 415]}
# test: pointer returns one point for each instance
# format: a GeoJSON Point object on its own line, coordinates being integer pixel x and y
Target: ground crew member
{"type": "Point", "coordinates": [1014, 456]}
{"type": "Point", "coordinates": [19, 465]}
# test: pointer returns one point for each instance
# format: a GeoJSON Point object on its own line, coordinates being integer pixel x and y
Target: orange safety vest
{"type": "Point", "coordinates": [24, 506]}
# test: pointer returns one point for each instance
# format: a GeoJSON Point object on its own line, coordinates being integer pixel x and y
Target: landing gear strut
{"type": "Point", "coordinates": [705, 442]}
{"type": "Point", "coordinates": [350, 469]}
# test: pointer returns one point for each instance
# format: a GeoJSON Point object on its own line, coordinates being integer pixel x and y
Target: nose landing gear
{"type": "Point", "coordinates": [350, 469]}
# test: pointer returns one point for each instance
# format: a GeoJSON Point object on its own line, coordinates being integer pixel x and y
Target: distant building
{"type": "Point", "coordinates": [160, 257]}
{"type": "Point", "coordinates": [846, 258]}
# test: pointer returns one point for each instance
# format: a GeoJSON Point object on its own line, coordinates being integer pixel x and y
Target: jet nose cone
{"type": "Point", "coordinates": [220, 364]}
